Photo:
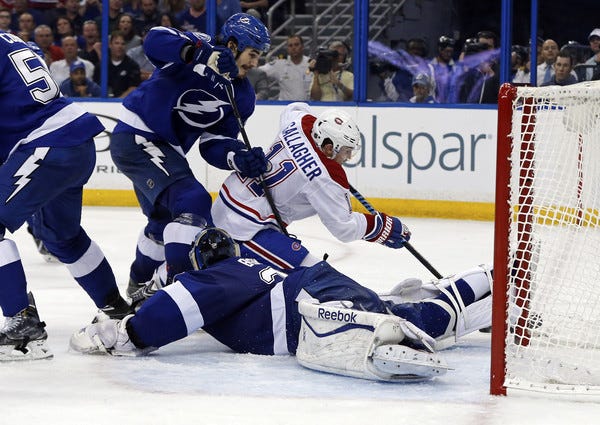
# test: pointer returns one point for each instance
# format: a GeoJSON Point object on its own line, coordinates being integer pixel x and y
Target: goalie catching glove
{"type": "Point", "coordinates": [219, 58]}
{"type": "Point", "coordinates": [249, 163]}
{"type": "Point", "coordinates": [386, 230]}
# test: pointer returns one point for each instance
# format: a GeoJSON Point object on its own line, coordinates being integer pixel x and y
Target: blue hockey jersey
{"type": "Point", "coordinates": [246, 305]}
{"type": "Point", "coordinates": [34, 113]}
{"type": "Point", "coordinates": [182, 102]}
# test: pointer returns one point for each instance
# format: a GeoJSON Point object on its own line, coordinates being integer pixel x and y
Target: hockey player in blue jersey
{"type": "Point", "coordinates": [185, 100]}
{"type": "Point", "coordinates": [47, 154]}
{"type": "Point", "coordinates": [326, 319]}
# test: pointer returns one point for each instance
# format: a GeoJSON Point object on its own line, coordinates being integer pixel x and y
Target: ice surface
{"type": "Point", "coordinates": [198, 381]}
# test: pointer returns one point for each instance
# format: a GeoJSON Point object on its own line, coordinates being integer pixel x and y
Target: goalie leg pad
{"type": "Point", "coordinates": [342, 341]}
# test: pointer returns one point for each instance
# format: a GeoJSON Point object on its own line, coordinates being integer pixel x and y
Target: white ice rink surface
{"type": "Point", "coordinates": [196, 381]}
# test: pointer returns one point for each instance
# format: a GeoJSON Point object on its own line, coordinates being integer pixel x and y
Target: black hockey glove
{"type": "Point", "coordinates": [388, 231]}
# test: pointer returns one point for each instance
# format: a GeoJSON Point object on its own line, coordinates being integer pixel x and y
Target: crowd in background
{"type": "Point", "coordinates": [470, 74]}
{"type": "Point", "coordinates": [68, 33]}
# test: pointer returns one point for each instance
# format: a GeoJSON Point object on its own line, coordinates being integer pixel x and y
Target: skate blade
{"type": "Point", "coordinates": [34, 350]}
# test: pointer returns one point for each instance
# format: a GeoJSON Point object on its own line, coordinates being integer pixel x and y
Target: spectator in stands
{"type": "Point", "coordinates": [488, 38]}
{"type": "Point", "coordinates": [259, 80]}
{"type": "Point", "coordinates": [491, 82]}
{"type": "Point", "coordinates": [64, 28]}
{"type": "Point", "coordinates": [174, 7]}
{"type": "Point", "coordinates": [123, 72]}
{"type": "Point", "coordinates": [93, 48]}
{"type": "Point", "coordinates": [563, 65]}
{"type": "Point", "coordinates": [194, 17]}
{"type": "Point", "coordinates": [471, 72]}
{"type": "Point", "coordinates": [5, 21]}
{"type": "Point", "coordinates": [19, 8]}
{"type": "Point", "coordinates": [291, 73]}
{"type": "Point", "coordinates": [61, 69]}
{"type": "Point", "coordinates": [90, 10]}
{"type": "Point", "coordinates": [166, 19]}
{"type": "Point", "coordinates": [26, 26]}
{"type": "Point", "coordinates": [422, 89]}
{"type": "Point", "coordinates": [594, 60]}
{"type": "Point", "coordinates": [132, 7]}
{"type": "Point", "coordinates": [43, 5]}
{"type": "Point", "coordinates": [139, 56]}
{"type": "Point", "coordinates": [115, 9]}
{"type": "Point", "coordinates": [396, 84]}
{"type": "Point", "coordinates": [442, 67]}
{"type": "Point", "coordinates": [126, 27]}
{"type": "Point", "coordinates": [43, 37]}
{"type": "Point", "coordinates": [72, 11]}
{"type": "Point", "coordinates": [78, 85]}
{"type": "Point", "coordinates": [519, 64]}
{"type": "Point", "coordinates": [417, 47]}
{"type": "Point", "coordinates": [545, 70]}
{"type": "Point", "coordinates": [338, 83]}
{"type": "Point", "coordinates": [149, 16]}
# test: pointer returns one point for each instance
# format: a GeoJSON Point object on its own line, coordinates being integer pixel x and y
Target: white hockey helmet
{"type": "Point", "coordinates": [339, 128]}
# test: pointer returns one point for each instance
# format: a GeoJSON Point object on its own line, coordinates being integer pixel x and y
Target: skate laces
{"type": "Point", "coordinates": [14, 322]}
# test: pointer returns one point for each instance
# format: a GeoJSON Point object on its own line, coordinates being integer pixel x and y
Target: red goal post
{"type": "Point", "coordinates": [546, 307]}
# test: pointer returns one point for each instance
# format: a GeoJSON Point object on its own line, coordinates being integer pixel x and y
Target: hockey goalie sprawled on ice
{"type": "Point", "coordinates": [329, 321]}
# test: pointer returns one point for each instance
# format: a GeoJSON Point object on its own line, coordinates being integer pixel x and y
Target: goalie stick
{"type": "Point", "coordinates": [261, 181]}
{"type": "Point", "coordinates": [407, 245]}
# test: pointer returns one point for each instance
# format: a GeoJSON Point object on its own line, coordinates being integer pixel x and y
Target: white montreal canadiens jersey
{"type": "Point", "coordinates": [303, 182]}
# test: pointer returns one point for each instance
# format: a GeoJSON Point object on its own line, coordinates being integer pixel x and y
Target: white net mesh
{"type": "Point", "coordinates": [553, 337]}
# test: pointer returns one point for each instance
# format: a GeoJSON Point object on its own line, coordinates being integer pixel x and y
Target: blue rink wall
{"type": "Point", "coordinates": [414, 161]}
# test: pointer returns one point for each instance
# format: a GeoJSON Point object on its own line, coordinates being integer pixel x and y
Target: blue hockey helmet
{"type": "Point", "coordinates": [212, 245]}
{"type": "Point", "coordinates": [247, 31]}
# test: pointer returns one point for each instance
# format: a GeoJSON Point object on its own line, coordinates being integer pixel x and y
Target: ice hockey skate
{"type": "Point", "coordinates": [23, 336]}
{"type": "Point", "coordinates": [106, 337]}
{"type": "Point", "coordinates": [116, 309]}
{"type": "Point", "coordinates": [145, 291]}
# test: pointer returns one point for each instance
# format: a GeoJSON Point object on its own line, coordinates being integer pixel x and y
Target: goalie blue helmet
{"type": "Point", "coordinates": [211, 246]}
{"type": "Point", "coordinates": [247, 31]}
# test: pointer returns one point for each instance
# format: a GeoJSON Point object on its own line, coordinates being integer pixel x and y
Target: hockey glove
{"type": "Point", "coordinates": [388, 231]}
{"type": "Point", "coordinates": [223, 62]}
{"type": "Point", "coordinates": [249, 163]}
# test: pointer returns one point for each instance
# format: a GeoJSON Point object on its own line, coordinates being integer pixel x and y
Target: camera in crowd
{"type": "Point", "coordinates": [472, 46]}
{"type": "Point", "coordinates": [324, 60]}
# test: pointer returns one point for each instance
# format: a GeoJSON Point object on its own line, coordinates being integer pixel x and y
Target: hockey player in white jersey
{"type": "Point", "coordinates": [306, 178]}
{"type": "Point", "coordinates": [329, 321]}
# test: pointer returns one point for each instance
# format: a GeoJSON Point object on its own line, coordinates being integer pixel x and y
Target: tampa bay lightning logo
{"type": "Point", "coordinates": [198, 108]}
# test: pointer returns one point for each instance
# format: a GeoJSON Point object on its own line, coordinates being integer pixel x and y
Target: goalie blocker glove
{"type": "Point", "coordinates": [386, 230]}
{"type": "Point", "coordinates": [219, 58]}
{"type": "Point", "coordinates": [249, 163]}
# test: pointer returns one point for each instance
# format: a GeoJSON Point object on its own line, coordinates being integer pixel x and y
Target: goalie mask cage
{"type": "Point", "coordinates": [546, 307]}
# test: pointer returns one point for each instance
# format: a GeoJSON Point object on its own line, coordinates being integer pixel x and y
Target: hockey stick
{"type": "Point", "coordinates": [407, 245]}
{"type": "Point", "coordinates": [261, 181]}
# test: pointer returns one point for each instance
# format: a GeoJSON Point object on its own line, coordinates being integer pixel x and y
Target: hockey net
{"type": "Point", "coordinates": [546, 317]}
